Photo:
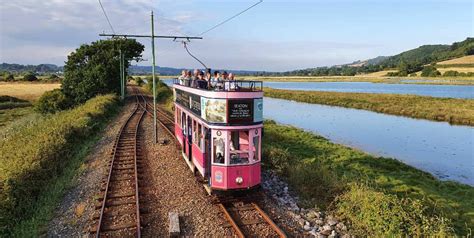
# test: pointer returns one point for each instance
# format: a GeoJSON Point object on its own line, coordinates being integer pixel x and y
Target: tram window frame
{"type": "Point", "coordinates": [256, 148]}
{"type": "Point", "coordinates": [199, 136]}
{"type": "Point", "coordinates": [178, 116]}
{"type": "Point", "coordinates": [236, 158]}
{"type": "Point", "coordinates": [216, 141]}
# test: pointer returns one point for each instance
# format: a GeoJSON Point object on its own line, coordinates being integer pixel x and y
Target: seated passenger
{"type": "Point", "coordinates": [225, 76]}
{"type": "Point", "coordinates": [216, 81]}
{"type": "Point", "coordinates": [201, 82]}
{"type": "Point", "coordinates": [231, 85]}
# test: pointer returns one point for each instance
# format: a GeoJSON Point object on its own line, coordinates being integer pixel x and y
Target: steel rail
{"type": "Point", "coordinates": [102, 210]}
{"type": "Point", "coordinates": [232, 221]}
{"type": "Point", "coordinates": [269, 221]}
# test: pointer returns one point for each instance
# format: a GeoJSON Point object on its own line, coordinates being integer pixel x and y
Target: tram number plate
{"type": "Point", "coordinates": [240, 110]}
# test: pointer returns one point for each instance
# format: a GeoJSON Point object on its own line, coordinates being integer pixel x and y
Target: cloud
{"type": "Point", "coordinates": [47, 31]}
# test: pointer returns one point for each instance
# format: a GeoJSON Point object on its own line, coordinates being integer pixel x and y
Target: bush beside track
{"type": "Point", "coordinates": [35, 155]}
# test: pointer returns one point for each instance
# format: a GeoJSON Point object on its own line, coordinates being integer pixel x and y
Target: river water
{"type": "Point", "coordinates": [444, 150]}
{"type": "Point", "coordinates": [453, 91]}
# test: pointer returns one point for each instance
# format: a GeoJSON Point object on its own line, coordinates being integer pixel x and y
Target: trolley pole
{"type": "Point", "coordinates": [154, 83]}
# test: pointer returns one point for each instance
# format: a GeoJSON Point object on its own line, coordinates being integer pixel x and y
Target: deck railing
{"type": "Point", "coordinates": [223, 85]}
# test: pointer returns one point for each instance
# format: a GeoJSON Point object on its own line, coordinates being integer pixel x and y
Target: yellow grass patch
{"type": "Point", "coordinates": [459, 69]}
{"type": "Point", "coordinates": [27, 91]}
{"type": "Point", "coordinates": [377, 74]}
{"type": "Point", "coordinates": [463, 60]}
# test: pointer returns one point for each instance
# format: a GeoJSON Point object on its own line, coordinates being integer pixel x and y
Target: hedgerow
{"type": "Point", "coordinates": [34, 156]}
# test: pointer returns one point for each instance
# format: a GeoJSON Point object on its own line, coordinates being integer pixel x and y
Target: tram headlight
{"type": "Point", "coordinates": [239, 180]}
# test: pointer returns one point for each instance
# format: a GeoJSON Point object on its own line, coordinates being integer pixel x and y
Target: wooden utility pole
{"type": "Point", "coordinates": [152, 36]}
{"type": "Point", "coordinates": [153, 73]}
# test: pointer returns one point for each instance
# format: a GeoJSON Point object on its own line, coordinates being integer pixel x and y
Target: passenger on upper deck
{"type": "Point", "coordinates": [216, 81]}
{"type": "Point", "coordinates": [230, 84]}
{"type": "Point", "coordinates": [201, 82]}
{"type": "Point", "coordinates": [182, 78]}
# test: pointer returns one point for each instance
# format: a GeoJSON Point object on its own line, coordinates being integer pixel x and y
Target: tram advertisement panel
{"type": "Point", "coordinates": [189, 100]}
{"type": "Point", "coordinates": [213, 110]}
{"type": "Point", "coordinates": [258, 110]}
{"type": "Point", "coordinates": [240, 110]}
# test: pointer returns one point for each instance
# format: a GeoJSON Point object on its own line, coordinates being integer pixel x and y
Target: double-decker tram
{"type": "Point", "coordinates": [220, 132]}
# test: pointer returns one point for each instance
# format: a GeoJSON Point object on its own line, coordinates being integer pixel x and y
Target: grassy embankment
{"type": "Point", "coordinates": [16, 100]}
{"type": "Point", "coordinates": [39, 161]}
{"type": "Point", "coordinates": [380, 197]}
{"type": "Point", "coordinates": [455, 111]}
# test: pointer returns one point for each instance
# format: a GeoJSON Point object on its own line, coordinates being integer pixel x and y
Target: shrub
{"type": "Point", "coordinates": [451, 73]}
{"type": "Point", "coordinates": [163, 92]}
{"type": "Point", "coordinates": [377, 214]}
{"type": "Point", "coordinates": [413, 75]}
{"type": "Point", "coordinates": [430, 71]}
{"type": "Point", "coordinates": [139, 81]}
{"type": "Point", "coordinates": [54, 77]}
{"type": "Point", "coordinates": [36, 154]}
{"type": "Point", "coordinates": [10, 77]}
{"type": "Point", "coordinates": [30, 76]}
{"type": "Point", "coordinates": [276, 158]}
{"type": "Point", "coordinates": [52, 101]}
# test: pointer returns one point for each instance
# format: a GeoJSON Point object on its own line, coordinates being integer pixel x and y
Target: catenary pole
{"type": "Point", "coordinates": [153, 72]}
{"type": "Point", "coordinates": [121, 73]}
{"type": "Point", "coordinates": [152, 36]}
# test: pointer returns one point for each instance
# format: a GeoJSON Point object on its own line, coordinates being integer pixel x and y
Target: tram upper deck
{"type": "Point", "coordinates": [228, 103]}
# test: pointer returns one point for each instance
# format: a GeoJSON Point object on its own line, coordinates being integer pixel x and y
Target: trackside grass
{"type": "Point", "coordinates": [454, 111]}
{"type": "Point", "coordinates": [379, 197]}
{"type": "Point", "coordinates": [37, 159]}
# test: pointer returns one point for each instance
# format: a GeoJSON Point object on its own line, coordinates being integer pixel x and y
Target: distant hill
{"type": "Point", "coordinates": [141, 70]}
{"type": "Point", "coordinates": [133, 70]}
{"type": "Point", "coordinates": [41, 68]}
{"type": "Point", "coordinates": [407, 62]}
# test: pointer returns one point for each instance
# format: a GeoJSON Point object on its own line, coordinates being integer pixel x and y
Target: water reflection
{"type": "Point", "coordinates": [436, 147]}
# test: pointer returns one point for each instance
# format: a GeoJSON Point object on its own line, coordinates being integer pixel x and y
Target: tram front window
{"type": "Point", "coordinates": [219, 148]}
{"type": "Point", "coordinates": [239, 147]}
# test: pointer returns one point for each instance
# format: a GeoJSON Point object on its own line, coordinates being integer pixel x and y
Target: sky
{"type": "Point", "coordinates": [273, 36]}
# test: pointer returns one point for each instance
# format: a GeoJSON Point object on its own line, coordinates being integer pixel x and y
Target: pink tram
{"type": "Point", "coordinates": [220, 132]}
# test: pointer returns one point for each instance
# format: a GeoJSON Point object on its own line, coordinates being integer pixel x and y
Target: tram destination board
{"type": "Point", "coordinates": [189, 100]}
{"type": "Point", "coordinates": [240, 111]}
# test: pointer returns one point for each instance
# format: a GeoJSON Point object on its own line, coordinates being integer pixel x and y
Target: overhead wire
{"type": "Point", "coordinates": [230, 18]}
{"type": "Point", "coordinates": [106, 17]}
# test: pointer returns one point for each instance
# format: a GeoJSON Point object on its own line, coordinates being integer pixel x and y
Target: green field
{"type": "Point", "coordinates": [380, 197]}
{"type": "Point", "coordinates": [455, 111]}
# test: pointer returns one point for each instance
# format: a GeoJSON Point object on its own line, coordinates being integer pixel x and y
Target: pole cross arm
{"type": "Point", "coordinates": [149, 36]}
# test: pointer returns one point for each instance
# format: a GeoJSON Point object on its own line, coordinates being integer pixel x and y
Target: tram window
{"type": "Point", "coordinates": [219, 148]}
{"type": "Point", "coordinates": [178, 116]}
{"type": "Point", "coordinates": [239, 147]}
{"type": "Point", "coordinates": [199, 136]}
{"type": "Point", "coordinates": [256, 148]}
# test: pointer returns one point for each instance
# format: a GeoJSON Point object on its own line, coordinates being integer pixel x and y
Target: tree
{"type": "Point", "coordinates": [430, 71]}
{"type": "Point", "coordinates": [10, 77]}
{"type": "Point", "coordinates": [30, 76]}
{"type": "Point", "coordinates": [95, 68]}
{"type": "Point", "coordinates": [52, 101]}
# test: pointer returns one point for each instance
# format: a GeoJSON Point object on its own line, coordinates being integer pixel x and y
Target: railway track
{"type": "Point", "coordinates": [247, 218]}
{"type": "Point", "coordinates": [243, 214]}
{"type": "Point", "coordinates": [119, 214]}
